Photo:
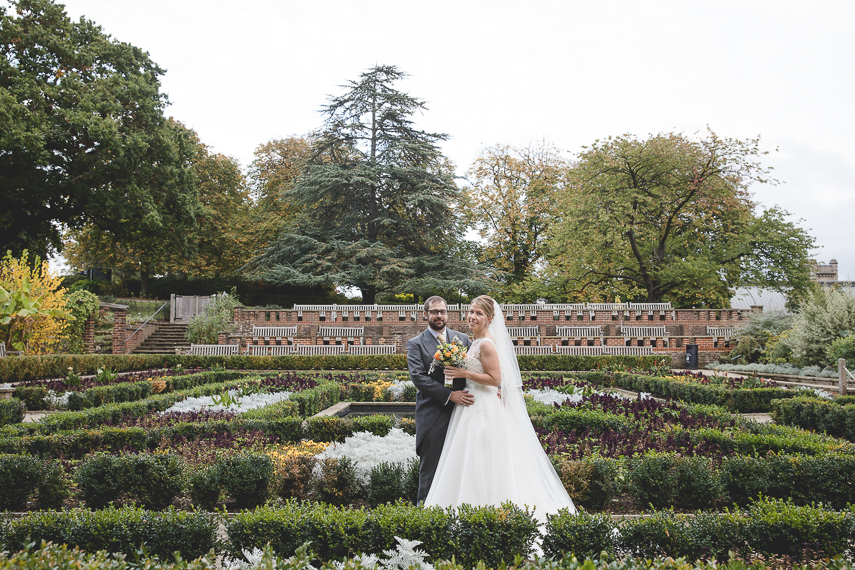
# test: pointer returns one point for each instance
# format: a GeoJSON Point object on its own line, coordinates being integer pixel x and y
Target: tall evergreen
{"type": "Point", "coordinates": [376, 200]}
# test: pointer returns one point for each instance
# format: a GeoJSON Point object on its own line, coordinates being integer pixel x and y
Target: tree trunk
{"type": "Point", "coordinates": [143, 283]}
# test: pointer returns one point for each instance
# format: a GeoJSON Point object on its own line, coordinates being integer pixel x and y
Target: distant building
{"type": "Point", "coordinates": [825, 274]}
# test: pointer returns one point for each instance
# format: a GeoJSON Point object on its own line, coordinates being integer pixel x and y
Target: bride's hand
{"type": "Point", "coordinates": [455, 372]}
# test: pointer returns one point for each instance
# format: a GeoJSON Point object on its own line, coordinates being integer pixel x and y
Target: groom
{"type": "Point", "coordinates": [434, 402]}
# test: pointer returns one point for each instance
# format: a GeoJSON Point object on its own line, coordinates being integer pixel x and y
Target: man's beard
{"type": "Point", "coordinates": [433, 326]}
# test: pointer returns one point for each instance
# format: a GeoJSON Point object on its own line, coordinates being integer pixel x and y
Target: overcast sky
{"type": "Point", "coordinates": [570, 72]}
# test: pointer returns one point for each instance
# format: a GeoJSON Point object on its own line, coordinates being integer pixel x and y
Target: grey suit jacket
{"type": "Point", "coordinates": [432, 397]}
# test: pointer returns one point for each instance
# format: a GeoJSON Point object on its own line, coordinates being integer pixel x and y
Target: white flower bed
{"type": "Point", "coordinates": [550, 396]}
{"type": "Point", "coordinates": [240, 403]}
{"type": "Point", "coordinates": [397, 388]}
{"type": "Point", "coordinates": [367, 450]}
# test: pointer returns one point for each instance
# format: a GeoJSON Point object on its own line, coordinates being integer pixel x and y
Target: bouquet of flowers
{"type": "Point", "coordinates": [450, 354]}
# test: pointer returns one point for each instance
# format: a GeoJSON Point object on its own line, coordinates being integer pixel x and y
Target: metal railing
{"type": "Point", "coordinates": [844, 372]}
{"type": "Point", "coordinates": [145, 323]}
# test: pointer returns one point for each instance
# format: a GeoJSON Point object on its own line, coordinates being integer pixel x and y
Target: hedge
{"type": "Point", "coordinates": [737, 400]}
{"type": "Point", "coordinates": [469, 534]}
{"type": "Point", "coordinates": [770, 527]}
{"type": "Point", "coordinates": [192, 534]}
{"type": "Point", "coordinates": [835, 417]}
{"type": "Point", "coordinates": [18, 369]}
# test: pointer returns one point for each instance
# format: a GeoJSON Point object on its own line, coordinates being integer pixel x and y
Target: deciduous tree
{"type": "Point", "coordinates": [670, 218]}
{"type": "Point", "coordinates": [83, 138]}
{"type": "Point", "coordinates": [511, 201]}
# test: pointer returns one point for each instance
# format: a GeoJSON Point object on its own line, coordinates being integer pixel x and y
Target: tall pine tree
{"type": "Point", "coordinates": [376, 200]}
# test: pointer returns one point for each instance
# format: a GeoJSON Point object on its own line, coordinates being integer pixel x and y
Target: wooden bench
{"type": "Point", "coordinates": [213, 349]}
{"type": "Point", "coordinates": [580, 350]}
{"type": "Point", "coordinates": [269, 350]}
{"type": "Point", "coordinates": [318, 349]}
{"type": "Point", "coordinates": [725, 332]}
{"type": "Point", "coordinates": [274, 332]}
{"type": "Point", "coordinates": [4, 353]}
{"type": "Point", "coordinates": [371, 349]}
{"type": "Point", "coordinates": [533, 349]}
{"type": "Point", "coordinates": [341, 331]}
{"type": "Point", "coordinates": [523, 331]}
{"type": "Point", "coordinates": [628, 350]}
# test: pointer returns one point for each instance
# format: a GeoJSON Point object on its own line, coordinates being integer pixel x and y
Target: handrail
{"type": "Point", "coordinates": [145, 323]}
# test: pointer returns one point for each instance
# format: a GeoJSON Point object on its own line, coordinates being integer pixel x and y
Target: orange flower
{"type": "Point", "coordinates": [438, 356]}
{"type": "Point", "coordinates": [448, 355]}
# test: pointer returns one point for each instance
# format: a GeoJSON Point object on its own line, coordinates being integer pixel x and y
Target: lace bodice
{"type": "Point", "coordinates": [473, 363]}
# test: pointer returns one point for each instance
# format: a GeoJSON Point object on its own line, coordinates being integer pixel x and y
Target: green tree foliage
{"type": "Point", "coordinates": [670, 219]}
{"type": "Point", "coordinates": [81, 305]}
{"type": "Point", "coordinates": [376, 202]}
{"type": "Point", "coordinates": [762, 332]}
{"type": "Point", "coordinates": [83, 138]}
{"type": "Point", "coordinates": [828, 315]}
{"type": "Point", "coordinates": [511, 201]}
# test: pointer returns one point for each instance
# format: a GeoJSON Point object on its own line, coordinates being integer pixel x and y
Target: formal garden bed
{"type": "Point", "coordinates": [196, 447]}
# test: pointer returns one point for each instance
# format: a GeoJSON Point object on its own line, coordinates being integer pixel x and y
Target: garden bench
{"type": "Point", "coordinates": [628, 350]}
{"type": "Point", "coordinates": [371, 349]}
{"type": "Point", "coordinates": [646, 332]}
{"type": "Point", "coordinates": [269, 349]}
{"type": "Point", "coordinates": [580, 350]}
{"type": "Point", "coordinates": [213, 349]}
{"type": "Point", "coordinates": [273, 332]}
{"type": "Point", "coordinates": [525, 334]}
{"type": "Point", "coordinates": [578, 332]}
{"type": "Point", "coordinates": [318, 349]}
{"type": "Point", "coordinates": [533, 349]}
{"type": "Point", "coordinates": [4, 352]}
{"type": "Point", "coordinates": [341, 331]}
{"type": "Point", "coordinates": [715, 332]}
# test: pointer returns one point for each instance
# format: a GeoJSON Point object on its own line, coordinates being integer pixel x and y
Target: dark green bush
{"type": "Point", "coordinates": [330, 428]}
{"type": "Point", "coordinates": [32, 397]}
{"type": "Point", "coordinates": [338, 483]}
{"type": "Point", "coordinates": [581, 534]}
{"type": "Point", "coordinates": [603, 485]}
{"type": "Point", "coordinates": [99, 478]}
{"type": "Point", "coordinates": [152, 479]}
{"type": "Point", "coordinates": [192, 534]}
{"type": "Point", "coordinates": [247, 478]}
{"type": "Point", "coordinates": [378, 424]}
{"type": "Point", "coordinates": [21, 476]}
{"type": "Point", "coordinates": [12, 411]}
{"type": "Point", "coordinates": [61, 556]}
{"type": "Point", "coordinates": [204, 487]}
{"type": "Point", "coordinates": [411, 481]}
{"type": "Point", "coordinates": [493, 535]}
{"type": "Point", "coordinates": [386, 483]}
{"type": "Point", "coordinates": [835, 417]}
{"type": "Point", "coordinates": [433, 526]}
{"type": "Point", "coordinates": [666, 479]}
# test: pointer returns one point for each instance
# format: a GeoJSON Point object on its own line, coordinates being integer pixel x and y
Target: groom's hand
{"type": "Point", "coordinates": [462, 397]}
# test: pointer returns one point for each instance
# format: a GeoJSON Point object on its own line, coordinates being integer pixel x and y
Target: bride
{"type": "Point", "coordinates": [491, 452]}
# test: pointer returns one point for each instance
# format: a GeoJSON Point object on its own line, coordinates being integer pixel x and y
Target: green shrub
{"type": "Point", "coordinates": [493, 535]}
{"type": "Point", "coordinates": [432, 526]}
{"type": "Point", "coordinates": [835, 417]}
{"type": "Point", "coordinates": [61, 556]}
{"type": "Point", "coordinates": [581, 534]}
{"type": "Point", "coordinates": [664, 479]}
{"type": "Point", "coordinates": [153, 479]}
{"type": "Point", "coordinates": [99, 478]}
{"type": "Point", "coordinates": [192, 534]}
{"type": "Point", "coordinates": [378, 424]}
{"type": "Point", "coordinates": [842, 348]}
{"type": "Point", "coordinates": [386, 483]}
{"type": "Point", "coordinates": [603, 484]}
{"type": "Point", "coordinates": [337, 483]}
{"type": "Point", "coordinates": [204, 487]}
{"type": "Point", "coordinates": [21, 476]}
{"type": "Point", "coordinates": [411, 481]}
{"type": "Point", "coordinates": [32, 397]}
{"type": "Point", "coordinates": [12, 411]}
{"type": "Point", "coordinates": [330, 428]}
{"type": "Point", "coordinates": [247, 478]}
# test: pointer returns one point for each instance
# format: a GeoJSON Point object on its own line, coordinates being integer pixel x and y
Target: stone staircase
{"type": "Point", "coordinates": [164, 340]}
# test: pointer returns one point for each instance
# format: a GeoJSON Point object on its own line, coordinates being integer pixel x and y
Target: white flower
{"type": "Point", "coordinates": [397, 388]}
{"type": "Point", "coordinates": [644, 396]}
{"type": "Point", "coordinates": [367, 450]}
{"type": "Point", "coordinates": [406, 556]}
{"type": "Point", "coordinates": [550, 396]}
{"type": "Point", "coordinates": [250, 402]}
{"type": "Point", "coordinates": [54, 402]}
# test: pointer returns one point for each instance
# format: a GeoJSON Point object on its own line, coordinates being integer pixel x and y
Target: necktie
{"type": "Point", "coordinates": [441, 337]}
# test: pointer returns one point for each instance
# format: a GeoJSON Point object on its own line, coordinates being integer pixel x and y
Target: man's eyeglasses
{"type": "Point", "coordinates": [435, 312]}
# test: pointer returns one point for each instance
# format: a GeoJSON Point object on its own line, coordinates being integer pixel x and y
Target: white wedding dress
{"type": "Point", "coordinates": [491, 452]}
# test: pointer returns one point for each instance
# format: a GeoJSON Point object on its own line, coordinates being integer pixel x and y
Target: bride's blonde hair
{"type": "Point", "coordinates": [486, 303]}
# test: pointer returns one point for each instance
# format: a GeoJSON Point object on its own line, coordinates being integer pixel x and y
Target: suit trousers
{"type": "Point", "coordinates": [430, 450]}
